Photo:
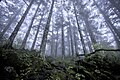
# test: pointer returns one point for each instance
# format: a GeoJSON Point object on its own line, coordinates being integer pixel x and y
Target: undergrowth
{"type": "Point", "coordinates": [27, 65]}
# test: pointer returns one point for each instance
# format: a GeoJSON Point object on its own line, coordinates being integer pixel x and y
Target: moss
{"type": "Point", "coordinates": [26, 65]}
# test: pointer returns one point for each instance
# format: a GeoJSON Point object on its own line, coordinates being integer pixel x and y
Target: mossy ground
{"type": "Point", "coordinates": [27, 65]}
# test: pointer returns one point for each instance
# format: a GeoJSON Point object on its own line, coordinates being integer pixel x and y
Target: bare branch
{"type": "Point", "coordinates": [25, 2]}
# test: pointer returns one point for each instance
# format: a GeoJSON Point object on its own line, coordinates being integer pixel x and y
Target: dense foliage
{"type": "Point", "coordinates": [26, 65]}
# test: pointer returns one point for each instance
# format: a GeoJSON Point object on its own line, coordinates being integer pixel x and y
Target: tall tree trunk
{"type": "Point", "coordinates": [75, 42]}
{"type": "Point", "coordinates": [89, 42]}
{"type": "Point", "coordinates": [71, 39]}
{"type": "Point", "coordinates": [52, 44]}
{"type": "Point", "coordinates": [72, 45]}
{"type": "Point", "coordinates": [68, 39]}
{"type": "Point", "coordinates": [14, 33]}
{"type": "Point", "coordinates": [116, 40]}
{"type": "Point", "coordinates": [115, 32]}
{"type": "Point", "coordinates": [108, 20]}
{"type": "Point", "coordinates": [9, 23]}
{"type": "Point", "coordinates": [29, 29]}
{"type": "Point", "coordinates": [63, 45]}
{"type": "Point", "coordinates": [45, 33]}
{"type": "Point", "coordinates": [33, 44]}
{"type": "Point", "coordinates": [88, 27]}
{"type": "Point", "coordinates": [79, 30]}
{"type": "Point", "coordinates": [56, 45]}
{"type": "Point", "coordinates": [114, 35]}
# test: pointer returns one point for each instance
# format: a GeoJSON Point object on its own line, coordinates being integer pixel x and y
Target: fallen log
{"type": "Point", "coordinates": [98, 50]}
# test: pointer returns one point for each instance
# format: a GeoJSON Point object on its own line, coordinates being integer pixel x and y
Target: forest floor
{"type": "Point", "coordinates": [27, 65]}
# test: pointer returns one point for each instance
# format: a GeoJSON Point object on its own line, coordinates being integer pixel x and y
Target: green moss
{"type": "Point", "coordinates": [26, 65]}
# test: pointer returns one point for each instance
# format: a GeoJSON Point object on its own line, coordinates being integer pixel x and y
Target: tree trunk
{"type": "Point", "coordinates": [75, 42]}
{"type": "Point", "coordinates": [56, 45]}
{"type": "Point", "coordinates": [45, 33]}
{"type": "Point", "coordinates": [88, 42]}
{"type": "Point", "coordinates": [9, 23]}
{"type": "Point", "coordinates": [33, 44]}
{"type": "Point", "coordinates": [29, 29]}
{"type": "Point", "coordinates": [14, 33]}
{"type": "Point", "coordinates": [63, 45]}
{"type": "Point", "coordinates": [52, 44]}
{"type": "Point", "coordinates": [115, 32]}
{"type": "Point", "coordinates": [71, 39]}
{"type": "Point", "coordinates": [68, 39]}
{"type": "Point", "coordinates": [88, 27]}
{"type": "Point", "coordinates": [79, 30]}
{"type": "Point", "coordinates": [108, 20]}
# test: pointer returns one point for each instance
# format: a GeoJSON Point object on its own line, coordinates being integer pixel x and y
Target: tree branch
{"type": "Point", "coordinates": [25, 2]}
{"type": "Point", "coordinates": [98, 51]}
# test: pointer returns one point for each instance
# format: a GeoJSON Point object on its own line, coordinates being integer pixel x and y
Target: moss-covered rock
{"type": "Point", "coordinates": [27, 65]}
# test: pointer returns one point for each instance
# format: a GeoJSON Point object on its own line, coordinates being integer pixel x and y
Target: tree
{"type": "Point", "coordinates": [38, 27]}
{"type": "Point", "coordinates": [14, 33]}
{"type": "Point", "coordinates": [29, 28]}
{"type": "Point", "coordinates": [75, 40]}
{"type": "Point", "coordinates": [79, 30]}
{"type": "Point", "coordinates": [62, 30]}
{"type": "Point", "coordinates": [56, 41]}
{"type": "Point", "coordinates": [110, 25]}
{"type": "Point", "coordinates": [68, 41]}
{"type": "Point", "coordinates": [9, 23]}
{"type": "Point", "coordinates": [45, 33]}
{"type": "Point", "coordinates": [52, 41]}
{"type": "Point", "coordinates": [88, 41]}
{"type": "Point", "coordinates": [71, 36]}
{"type": "Point", "coordinates": [88, 27]}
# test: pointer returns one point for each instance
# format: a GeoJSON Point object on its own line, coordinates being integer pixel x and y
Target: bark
{"type": "Point", "coordinates": [56, 45]}
{"type": "Point", "coordinates": [29, 29]}
{"type": "Point", "coordinates": [52, 44]}
{"type": "Point", "coordinates": [71, 39]}
{"type": "Point", "coordinates": [88, 27]}
{"type": "Point", "coordinates": [75, 43]}
{"type": "Point", "coordinates": [114, 35]}
{"type": "Point", "coordinates": [45, 33]}
{"type": "Point", "coordinates": [35, 39]}
{"type": "Point", "coordinates": [9, 23]}
{"type": "Point", "coordinates": [63, 45]}
{"type": "Point", "coordinates": [14, 33]}
{"type": "Point", "coordinates": [68, 39]}
{"type": "Point", "coordinates": [79, 30]}
{"type": "Point", "coordinates": [88, 43]}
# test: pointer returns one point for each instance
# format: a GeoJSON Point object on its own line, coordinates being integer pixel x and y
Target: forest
{"type": "Point", "coordinates": [59, 39]}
